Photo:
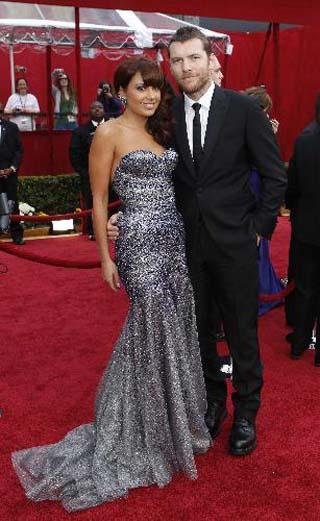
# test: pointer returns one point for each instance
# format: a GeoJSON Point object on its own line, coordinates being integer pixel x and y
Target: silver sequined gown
{"type": "Point", "coordinates": [150, 406]}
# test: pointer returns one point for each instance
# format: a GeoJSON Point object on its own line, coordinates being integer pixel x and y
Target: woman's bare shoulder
{"type": "Point", "coordinates": [109, 129]}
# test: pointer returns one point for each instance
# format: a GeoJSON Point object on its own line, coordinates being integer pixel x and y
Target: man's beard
{"type": "Point", "coordinates": [200, 84]}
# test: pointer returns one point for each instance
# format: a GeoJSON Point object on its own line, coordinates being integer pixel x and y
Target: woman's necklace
{"type": "Point", "coordinates": [143, 129]}
{"type": "Point", "coordinates": [23, 103]}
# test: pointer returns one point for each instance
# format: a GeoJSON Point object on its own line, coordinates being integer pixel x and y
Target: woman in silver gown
{"type": "Point", "coordinates": [150, 406]}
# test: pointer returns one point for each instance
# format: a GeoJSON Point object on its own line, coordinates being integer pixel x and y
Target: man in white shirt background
{"type": "Point", "coordinates": [22, 107]}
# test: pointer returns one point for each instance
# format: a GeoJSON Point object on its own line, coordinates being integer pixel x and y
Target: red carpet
{"type": "Point", "coordinates": [57, 330]}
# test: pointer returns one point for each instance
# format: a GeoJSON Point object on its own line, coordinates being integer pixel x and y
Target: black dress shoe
{"type": "Point", "coordinates": [317, 358]}
{"type": "Point", "coordinates": [19, 241]}
{"type": "Point", "coordinates": [216, 414]}
{"type": "Point", "coordinates": [296, 353]}
{"type": "Point", "coordinates": [242, 439]}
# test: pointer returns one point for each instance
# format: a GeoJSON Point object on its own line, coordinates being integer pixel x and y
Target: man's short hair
{"type": "Point", "coordinates": [96, 102]}
{"type": "Point", "coordinates": [183, 34]}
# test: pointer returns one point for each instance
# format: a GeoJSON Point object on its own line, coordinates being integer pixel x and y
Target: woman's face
{"type": "Point", "coordinates": [22, 86]}
{"type": "Point", "coordinates": [63, 81]}
{"type": "Point", "coordinates": [142, 100]}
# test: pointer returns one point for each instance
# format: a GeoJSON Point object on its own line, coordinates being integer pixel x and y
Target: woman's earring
{"type": "Point", "coordinates": [123, 100]}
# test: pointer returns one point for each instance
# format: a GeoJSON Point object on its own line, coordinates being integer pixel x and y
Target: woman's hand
{"type": "Point", "coordinates": [110, 274]}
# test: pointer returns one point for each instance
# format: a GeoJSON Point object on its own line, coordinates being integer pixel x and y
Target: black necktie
{"type": "Point", "coordinates": [197, 147]}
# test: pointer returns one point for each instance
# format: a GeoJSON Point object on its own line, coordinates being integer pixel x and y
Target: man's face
{"type": "Point", "coordinates": [190, 65]}
{"type": "Point", "coordinates": [96, 111]}
{"type": "Point", "coordinates": [216, 73]}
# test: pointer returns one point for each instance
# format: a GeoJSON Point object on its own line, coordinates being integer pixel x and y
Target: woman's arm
{"type": "Point", "coordinates": [101, 160]}
{"type": "Point", "coordinates": [8, 109]}
{"type": "Point", "coordinates": [75, 107]}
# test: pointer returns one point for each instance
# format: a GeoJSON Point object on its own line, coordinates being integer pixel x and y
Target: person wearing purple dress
{"type": "Point", "coordinates": [269, 282]}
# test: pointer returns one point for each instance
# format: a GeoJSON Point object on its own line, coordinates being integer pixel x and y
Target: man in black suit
{"type": "Point", "coordinates": [11, 153]}
{"type": "Point", "coordinates": [79, 149]}
{"type": "Point", "coordinates": [303, 195]}
{"type": "Point", "coordinates": [312, 128]}
{"type": "Point", "coordinates": [219, 135]}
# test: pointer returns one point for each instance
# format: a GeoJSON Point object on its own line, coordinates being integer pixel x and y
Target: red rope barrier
{"type": "Point", "coordinates": [58, 217]}
{"type": "Point", "coordinates": [12, 250]}
{"type": "Point", "coordinates": [51, 261]}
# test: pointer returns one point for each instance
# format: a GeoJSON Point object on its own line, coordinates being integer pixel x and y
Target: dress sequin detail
{"type": "Point", "coordinates": [150, 405]}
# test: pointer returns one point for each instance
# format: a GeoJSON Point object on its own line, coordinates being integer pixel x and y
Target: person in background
{"type": "Point", "coordinates": [314, 126]}
{"type": "Point", "coordinates": [113, 107]}
{"type": "Point", "coordinates": [302, 198]}
{"type": "Point", "coordinates": [269, 282]}
{"type": "Point", "coordinates": [79, 149]}
{"type": "Point", "coordinates": [65, 101]}
{"type": "Point", "coordinates": [22, 106]}
{"type": "Point", "coordinates": [216, 71]}
{"type": "Point", "coordinates": [11, 152]}
{"type": "Point", "coordinates": [311, 128]}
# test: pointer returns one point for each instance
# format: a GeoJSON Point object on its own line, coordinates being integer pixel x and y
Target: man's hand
{"type": "Point", "coordinates": [275, 125]}
{"type": "Point", "coordinates": [5, 172]}
{"type": "Point", "coordinates": [112, 228]}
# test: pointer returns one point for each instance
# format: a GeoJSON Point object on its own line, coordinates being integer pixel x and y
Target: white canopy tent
{"type": "Point", "coordinates": [42, 25]}
{"type": "Point", "coordinates": [20, 23]}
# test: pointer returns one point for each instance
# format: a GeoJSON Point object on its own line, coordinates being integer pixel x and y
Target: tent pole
{"type": "Point", "coordinates": [11, 60]}
{"type": "Point", "coordinates": [265, 45]}
{"type": "Point", "coordinates": [49, 88]}
{"type": "Point", "coordinates": [50, 107]}
{"type": "Point", "coordinates": [276, 65]}
{"type": "Point", "coordinates": [78, 60]}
